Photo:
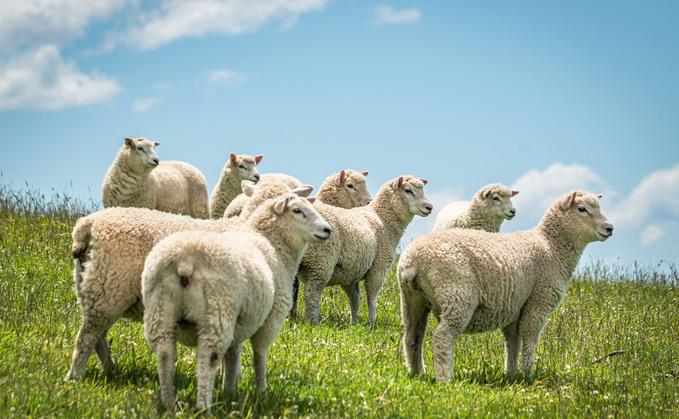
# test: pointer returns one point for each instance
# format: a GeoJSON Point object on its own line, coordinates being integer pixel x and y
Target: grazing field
{"type": "Point", "coordinates": [610, 349]}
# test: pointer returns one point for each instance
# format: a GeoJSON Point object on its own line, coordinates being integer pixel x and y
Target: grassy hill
{"type": "Point", "coordinates": [610, 349]}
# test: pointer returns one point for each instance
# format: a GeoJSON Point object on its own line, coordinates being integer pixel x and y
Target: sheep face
{"type": "Point", "coordinates": [306, 221]}
{"type": "Point", "coordinates": [413, 191]}
{"type": "Point", "coordinates": [585, 216]}
{"type": "Point", "coordinates": [355, 186]}
{"type": "Point", "coordinates": [501, 204]}
{"type": "Point", "coordinates": [142, 153]}
{"type": "Point", "coordinates": [246, 166]}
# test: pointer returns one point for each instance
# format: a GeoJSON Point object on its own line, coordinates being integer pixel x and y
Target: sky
{"type": "Point", "coordinates": [544, 97]}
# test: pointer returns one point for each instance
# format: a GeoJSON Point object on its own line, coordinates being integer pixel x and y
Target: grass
{"type": "Point", "coordinates": [610, 350]}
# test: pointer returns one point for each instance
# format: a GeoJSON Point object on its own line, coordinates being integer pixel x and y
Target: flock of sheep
{"type": "Point", "coordinates": [153, 255]}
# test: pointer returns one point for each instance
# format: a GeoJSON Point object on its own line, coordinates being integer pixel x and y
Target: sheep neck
{"type": "Point", "coordinates": [562, 242]}
{"type": "Point", "coordinates": [392, 212]}
{"type": "Point", "coordinates": [131, 183]}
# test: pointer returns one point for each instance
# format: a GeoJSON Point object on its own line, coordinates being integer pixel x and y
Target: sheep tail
{"type": "Point", "coordinates": [184, 270]}
{"type": "Point", "coordinates": [81, 239]}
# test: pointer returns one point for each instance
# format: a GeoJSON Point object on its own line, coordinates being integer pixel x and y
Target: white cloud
{"type": "Point", "coordinates": [651, 234]}
{"type": "Point", "coordinates": [143, 105]}
{"type": "Point", "coordinates": [57, 22]}
{"type": "Point", "coordinates": [40, 79]}
{"type": "Point", "coordinates": [386, 15]}
{"type": "Point", "coordinates": [197, 18]}
{"type": "Point", "coordinates": [225, 77]}
{"type": "Point", "coordinates": [537, 190]}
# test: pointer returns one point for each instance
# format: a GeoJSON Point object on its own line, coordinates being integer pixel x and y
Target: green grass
{"type": "Point", "coordinates": [335, 369]}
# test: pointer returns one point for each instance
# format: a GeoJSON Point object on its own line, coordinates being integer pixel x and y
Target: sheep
{"type": "Point", "coordinates": [475, 281]}
{"type": "Point", "coordinates": [236, 169]}
{"type": "Point", "coordinates": [236, 205]}
{"type": "Point", "coordinates": [346, 189]}
{"type": "Point", "coordinates": [109, 248]}
{"type": "Point", "coordinates": [215, 290]}
{"type": "Point", "coordinates": [362, 245]}
{"type": "Point", "coordinates": [489, 207]}
{"type": "Point", "coordinates": [137, 178]}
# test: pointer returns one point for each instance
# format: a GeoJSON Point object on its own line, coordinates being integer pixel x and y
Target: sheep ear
{"type": "Point", "coordinates": [567, 201]}
{"type": "Point", "coordinates": [486, 193]}
{"type": "Point", "coordinates": [340, 178]}
{"type": "Point", "coordinates": [303, 190]}
{"type": "Point", "coordinates": [599, 196]}
{"type": "Point", "coordinates": [248, 187]}
{"type": "Point", "coordinates": [398, 182]}
{"type": "Point", "coordinates": [258, 159]}
{"type": "Point", "coordinates": [514, 193]}
{"type": "Point", "coordinates": [156, 144]}
{"type": "Point", "coordinates": [279, 207]}
{"type": "Point", "coordinates": [365, 174]}
{"type": "Point", "coordinates": [129, 142]}
{"type": "Point", "coordinates": [233, 158]}
{"type": "Point", "coordinates": [425, 181]}
{"type": "Point", "coordinates": [311, 199]}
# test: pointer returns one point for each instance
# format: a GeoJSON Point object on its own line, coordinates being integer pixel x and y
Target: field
{"type": "Point", "coordinates": [610, 350]}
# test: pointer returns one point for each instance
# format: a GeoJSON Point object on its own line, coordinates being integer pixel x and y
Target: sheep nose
{"type": "Point", "coordinates": [257, 177]}
{"type": "Point", "coordinates": [609, 228]}
{"type": "Point", "coordinates": [327, 230]}
{"type": "Point", "coordinates": [512, 211]}
{"type": "Point", "coordinates": [429, 207]}
{"type": "Point", "coordinates": [156, 160]}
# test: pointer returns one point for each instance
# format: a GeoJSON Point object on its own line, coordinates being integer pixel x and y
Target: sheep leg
{"type": "Point", "coordinates": [415, 315]}
{"type": "Point", "coordinates": [353, 291]}
{"type": "Point", "coordinates": [104, 353]}
{"type": "Point", "coordinates": [512, 347]}
{"type": "Point", "coordinates": [208, 354]}
{"type": "Point", "coordinates": [374, 280]}
{"type": "Point", "coordinates": [166, 353]}
{"type": "Point", "coordinates": [231, 366]}
{"type": "Point", "coordinates": [295, 295]}
{"type": "Point", "coordinates": [530, 329]}
{"type": "Point", "coordinates": [260, 361]}
{"type": "Point", "coordinates": [453, 321]}
{"type": "Point", "coordinates": [312, 300]}
{"type": "Point", "coordinates": [90, 334]}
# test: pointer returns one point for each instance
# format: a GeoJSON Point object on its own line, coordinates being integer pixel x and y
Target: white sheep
{"type": "Point", "coordinates": [137, 178]}
{"type": "Point", "coordinates": [215, 290]}
{"type": "Point", "coordinates": [236, 169]}
{"type": "Point", "coordinates": [346, 189]}
{"type": "Point", "coordinates": [489, 207]}
{"type": "Point", "coordinates": [475, 281]}
{"type": "Point", "coordinates": [362, 245]}
{"type": "Point", "coordinates": [236, 205]}
{"type": "Point", "coordinates": [109, 249]}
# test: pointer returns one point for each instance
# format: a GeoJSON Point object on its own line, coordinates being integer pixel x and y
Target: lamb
{"type": "Point", "coordinates": [362, 245]}
{"type": "Point", "coordinates": [489, 207]}
{"type": "Point", "coordinates": [346, 189]}
{"type": "Point", "coordinates": [215, 290]}
{"type": "Point", "coordinates": [109, 249]}
{"type": "Point", "coordinates": [236, 205]}
{"type": "Point", "coordinates": [137, 178]}
{"type": "Point", "coordinates": [475, 281]}
{"type": "Point", "coordinates": [236, 169]}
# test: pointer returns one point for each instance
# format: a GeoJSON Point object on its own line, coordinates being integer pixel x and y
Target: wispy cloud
{"type": "Point", "coordinates": [386, 15]}
{"type": "Point", "coordinates": [40, 79]}
{"type": "Point", "coordinates": [143, 105]}
{"type": "Point", "coordinates": [225, 77]}
{"type": "Point", "coordinates": [189, 18]}
{"type": "Point", "coordinates": [36, 22]}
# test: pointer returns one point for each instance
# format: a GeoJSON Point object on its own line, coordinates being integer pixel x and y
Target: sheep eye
{"type": "Point", "coordinates": [495, 198]}
{"type": "Point", "coordinates": [408, 189]}
{"type": "Point", "coordinates": [297, 210]}
{"type": "Point", "coordinates": [140, 148]}
{"type": "Point", "coordinates": [583, 210]}
{"type": "Point", "coordinates": [240, 166]}
{"type": "Point", "coordinates": [349, 185]}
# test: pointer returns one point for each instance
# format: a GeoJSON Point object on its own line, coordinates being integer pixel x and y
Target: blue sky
{"type": "Point", "coordinates": [541, 96]}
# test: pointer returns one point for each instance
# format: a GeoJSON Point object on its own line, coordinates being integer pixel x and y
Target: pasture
{"type": "Point", "coordinates": [611, 349]}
